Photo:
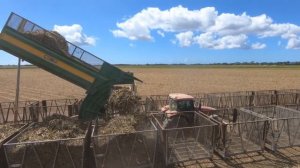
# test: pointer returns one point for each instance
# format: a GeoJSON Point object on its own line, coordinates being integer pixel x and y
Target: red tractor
{"type": "Point", "coordinates": [180, 110]}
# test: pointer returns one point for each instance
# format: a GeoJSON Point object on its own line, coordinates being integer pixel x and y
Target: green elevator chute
{"type": "Point", "coordinates": [51, 52]}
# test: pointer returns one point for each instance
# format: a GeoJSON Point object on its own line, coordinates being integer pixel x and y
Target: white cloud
{"type": "Point", "coordinates": [231, 24]}
{"type": "Point", "coordinates": [74, 34]}
{"type": "Point", "coordinates": [258, 46]}
{"type": "Point", "coordinates": [293, 43]}
{"type": "Point", "coordinates": [185, 39]}
{"type": "Point", "coordinates": [212, 41]}
{"type": "Point", "coordinates": [175, 19]}
{"type": "Point", "coordinates": [224, 30]}
{"type": "Point", "coordinates": [285, 30]}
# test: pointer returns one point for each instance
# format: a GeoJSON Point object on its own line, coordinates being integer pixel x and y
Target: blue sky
{"type": "Point", "coordinates": [170, 31]}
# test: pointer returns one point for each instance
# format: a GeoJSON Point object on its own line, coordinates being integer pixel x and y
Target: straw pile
{"type": "Point", "coordinates": [121, 109]}
{"type": "Point", "coordinates": [122, 101]}
{"type": "Point", "coordinates": [50, 39]}
{"type": "Point", "coordinates": [119, 124]}
{"type": "Point", "coordinates": [7, 130]}
{"type": "Point", "coordinates": [53, 128]}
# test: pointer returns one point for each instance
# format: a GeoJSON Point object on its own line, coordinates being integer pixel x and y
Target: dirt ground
{"type": "Point", "coordinates": [37, 84]}
{"type": "Point", "coordinates": [284, 158]}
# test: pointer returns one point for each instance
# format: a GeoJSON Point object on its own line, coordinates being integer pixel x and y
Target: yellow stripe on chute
{"type": "Point", "coordinates": [46, 57]}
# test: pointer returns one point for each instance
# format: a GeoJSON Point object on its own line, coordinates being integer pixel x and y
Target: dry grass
{"type": "Point", "coordinates": [191, 80]}
{"type": "Point", "coordinates": [37, 84]}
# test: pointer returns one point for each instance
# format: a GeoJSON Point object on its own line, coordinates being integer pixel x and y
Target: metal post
{"type": "Point", "coordinates": [17, 92]}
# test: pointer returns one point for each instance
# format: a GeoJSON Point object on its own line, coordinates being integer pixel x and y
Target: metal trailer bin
{"type": "Point", "coordinates": [238, 131]}
{"type": "Point", "coordinates": [283, 126]}
{"type": "Point", "coordinates": [126, 150]}
{"type": "Point", "coordinates": [60, 153]}
{"type": "Point", "coordinates": [11, 129]}
{"type": "Point", "coordinates": [193, 140]}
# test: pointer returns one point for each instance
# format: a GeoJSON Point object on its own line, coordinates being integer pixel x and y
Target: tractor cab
{"type": "Point", "coordinates": [179, 111]}
{"type": "Point", "coordinates": [178, 103]}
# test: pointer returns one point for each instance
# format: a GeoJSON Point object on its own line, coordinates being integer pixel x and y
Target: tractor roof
{"type": "Point", "coordinates": [180, 96]}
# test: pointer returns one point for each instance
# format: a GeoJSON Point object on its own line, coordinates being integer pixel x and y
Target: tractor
{"type": "Point", "coordinates": [180, 111]}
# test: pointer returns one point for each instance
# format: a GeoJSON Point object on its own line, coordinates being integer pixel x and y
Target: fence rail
{"type": "Point", "coordinates": [130, 150]}
{"type": "Point", "coordinates": [184, 142]}
{"type": "Point", "coordinates": [238, 131]}
{"type": "Point", "coordinates": [284, 124]}
{"type": "Point", "coordinates": [28, 111]}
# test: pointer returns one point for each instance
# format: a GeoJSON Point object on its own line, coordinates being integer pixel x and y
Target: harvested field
{"type": "Point", "coordinates": [207, 80]}
{"type": "Point", "coordinates": [37, 84]}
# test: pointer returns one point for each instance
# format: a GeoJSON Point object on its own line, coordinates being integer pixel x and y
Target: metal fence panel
{"type": "Point", "coordinates": [58, 153]}
{"type": "Point", "coordinates": [185, 142]}
{"type": "Point", "coordinates": [17, 128]}
{"type": "Point", "coordinates": [284, 125]}
{"type": "Point", "coordinates": [131, 150]}
{"type": "Point", "coordinates": [29, 111]}
{"type": "Point", "coordinates": [238, 131]}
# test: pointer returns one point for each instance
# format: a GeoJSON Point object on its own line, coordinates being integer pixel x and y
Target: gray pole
{"type": "Point", "coordinates": [17, 92]}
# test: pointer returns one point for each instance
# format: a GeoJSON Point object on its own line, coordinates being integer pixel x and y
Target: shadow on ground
{"type": "Point", "coordinates": [287, 157]}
